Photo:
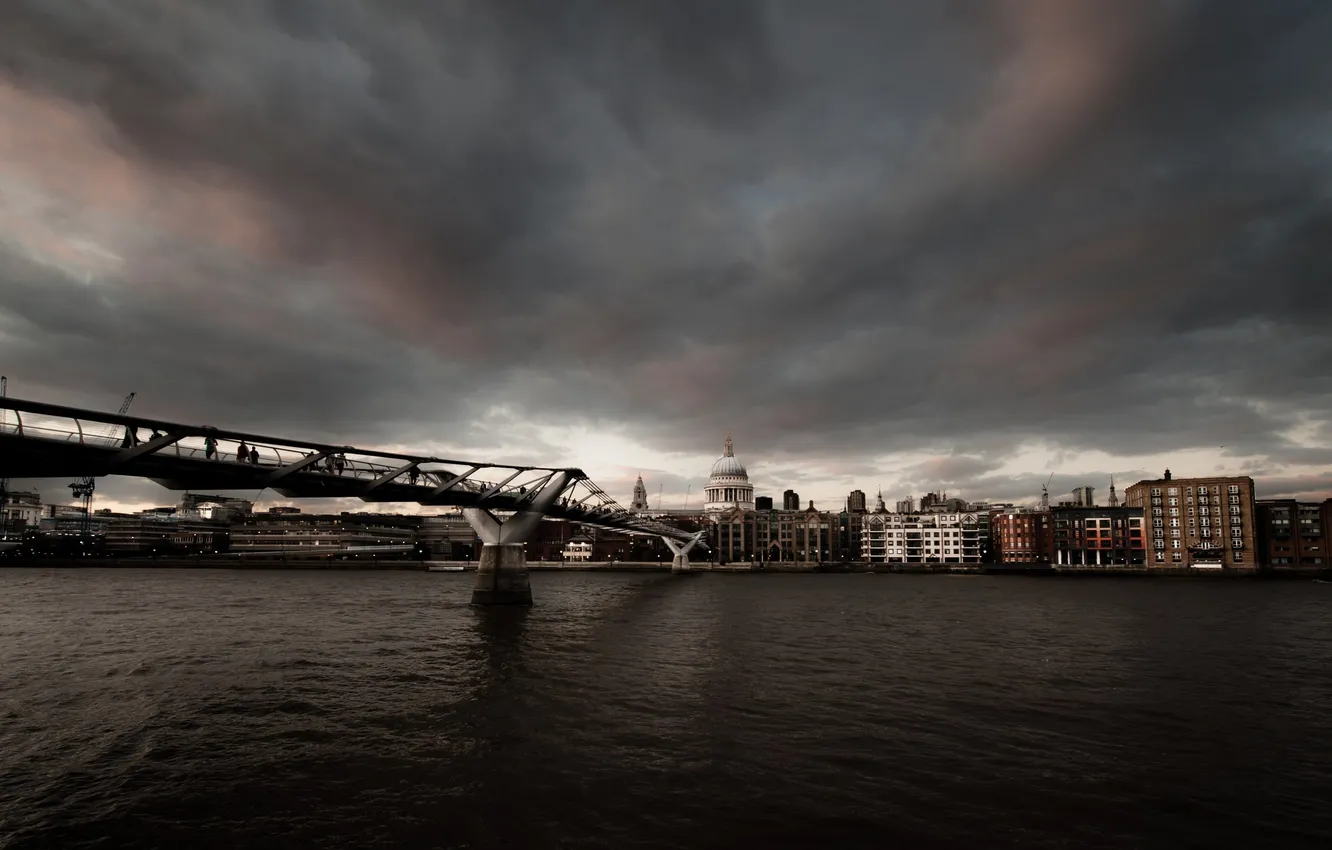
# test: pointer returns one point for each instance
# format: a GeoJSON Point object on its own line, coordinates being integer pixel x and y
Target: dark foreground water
{"type": "Point", "coordinates": [175, 709]}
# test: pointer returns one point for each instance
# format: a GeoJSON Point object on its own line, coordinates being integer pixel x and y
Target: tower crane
{"type": "Point", "coordinates": [84, 488]}
{"type": "Point", "coordinates": [1045, 493]}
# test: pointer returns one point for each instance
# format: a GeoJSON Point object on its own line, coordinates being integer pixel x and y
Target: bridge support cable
{"type": "Point", "coordinates": [501, 573]}
{"type": "Point", "coordinates": [680, 563]}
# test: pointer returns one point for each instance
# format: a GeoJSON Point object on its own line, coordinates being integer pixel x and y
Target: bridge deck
{"type": "Point", "coordinates": [40, 440]}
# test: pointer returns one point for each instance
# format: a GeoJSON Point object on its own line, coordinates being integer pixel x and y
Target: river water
{"type": "Point", "coordinates": [177, 708]}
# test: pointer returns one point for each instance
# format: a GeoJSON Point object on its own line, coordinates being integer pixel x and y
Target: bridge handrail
{"type": "Point", "coordinates": [58, 423]}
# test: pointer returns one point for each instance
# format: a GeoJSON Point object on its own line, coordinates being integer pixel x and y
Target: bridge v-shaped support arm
{"type": "Point", "coordinates": [680, 549]}
{"type": "Point", "coordinates": [304, 463]}
{"type": "Point", "coordinates": [519, 527]}
{"type": "Point", "coordinates": [124, 456]}
{"type": "Point", "coordinates": [501, 571]}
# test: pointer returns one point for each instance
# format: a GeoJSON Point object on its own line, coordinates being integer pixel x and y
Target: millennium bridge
{"type": "Point", "coordinates": [504, 503]}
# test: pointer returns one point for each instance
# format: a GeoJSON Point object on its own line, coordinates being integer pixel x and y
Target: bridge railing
{"type": "Point", "coordinates": [581, 501]}
{"type": "Point", "coordinates": [90, 432]}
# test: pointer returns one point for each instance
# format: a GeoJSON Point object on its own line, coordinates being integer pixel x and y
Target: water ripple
{"type": "Point", "coordinates": [319, 710]}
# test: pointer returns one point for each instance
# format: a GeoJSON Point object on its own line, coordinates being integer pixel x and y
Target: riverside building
{"type": "Point", "coordinates": [1089, 536]}
{"type": "Point", "coordinates": [934, 537]}
{"type": "Point", "coordinates": [1198, 522]}
{"type": "Point", "coordinates": [1294, 535]}
{"type": "Point", "coordinates": [1021, 536]}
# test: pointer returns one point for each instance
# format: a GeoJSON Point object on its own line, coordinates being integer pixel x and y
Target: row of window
{"type": "Point", "coordinates": [1232, 489]}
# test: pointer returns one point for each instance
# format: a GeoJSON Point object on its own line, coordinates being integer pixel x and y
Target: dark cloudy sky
{"type": "Point", "coordinates": [946, 244]}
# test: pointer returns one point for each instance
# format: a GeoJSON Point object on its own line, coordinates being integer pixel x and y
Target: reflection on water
{"type": "Point", "coordinates": [272, 709]}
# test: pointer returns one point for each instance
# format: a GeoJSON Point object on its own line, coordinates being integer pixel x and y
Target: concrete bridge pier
{"type": "Point", "coordinates": [501, 573]}
{"type": "Point", "coordinates": [680, 563]}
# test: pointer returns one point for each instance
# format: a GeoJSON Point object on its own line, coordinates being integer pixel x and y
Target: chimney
{"type": "Point", "coordinates": [1167, 476]}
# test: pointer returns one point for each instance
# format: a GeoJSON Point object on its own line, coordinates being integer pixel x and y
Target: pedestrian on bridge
{"type": "Point", "coordinates": [414, 475]}
{"type": "Point", "coordinates": [210, 448]}
{"type": "Point", "coordinates": [242, 453]}
{"type": "Point", "coordinates": [254, 456]}
{"type": "Point", "coordinates": [339, 461]}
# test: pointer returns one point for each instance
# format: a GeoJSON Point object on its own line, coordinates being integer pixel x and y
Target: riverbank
{"type": "Point", "coordinates": [214, 563]}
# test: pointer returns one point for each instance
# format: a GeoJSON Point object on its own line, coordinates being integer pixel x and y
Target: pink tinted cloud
{"type": "Point", "coordinates": [70, 154]}
{"type": "Point", "coordinates": [1070, 60]}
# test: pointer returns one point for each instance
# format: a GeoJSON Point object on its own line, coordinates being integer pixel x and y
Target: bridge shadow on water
{"type": "Point", "coordinates": [501, 635]}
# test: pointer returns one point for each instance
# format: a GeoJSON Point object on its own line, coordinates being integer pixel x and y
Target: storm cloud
{"type": "Point", "coordinates": [923, 245]}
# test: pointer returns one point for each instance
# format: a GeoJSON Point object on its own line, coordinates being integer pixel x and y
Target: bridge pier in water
{"type": "Point", "coordinates": [680, 563]}
{"type": "Point", "coordinates": [501, 573]}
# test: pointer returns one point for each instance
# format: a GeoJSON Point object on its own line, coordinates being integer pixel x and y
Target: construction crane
{"type": "Point", "coordinates": [84, 488]}
{"type": "Point", "coordinates": [1045, 493]}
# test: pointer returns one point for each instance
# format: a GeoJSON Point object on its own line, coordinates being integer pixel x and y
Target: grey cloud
{"type": "Point", "coordinates": [855, 228]}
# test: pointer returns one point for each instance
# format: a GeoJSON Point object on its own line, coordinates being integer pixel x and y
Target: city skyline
{"type": "Point", "coordinates": [904, 248]}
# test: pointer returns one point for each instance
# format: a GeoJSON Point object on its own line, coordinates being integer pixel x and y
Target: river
{"type": "Point", "coordinates": [269, 709]}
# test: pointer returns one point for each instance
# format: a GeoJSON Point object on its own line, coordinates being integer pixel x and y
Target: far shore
{"type": "Point", "coordinates": [238, 563]}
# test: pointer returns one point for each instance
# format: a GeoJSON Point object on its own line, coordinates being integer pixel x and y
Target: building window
{"type": "Point", "coordinates": [1234, 500]}
{"type": "Point", "coordinates": [1234, 488]}
{"type": "Point", "coordinates": [1157, 511]}
{"type": "Point", "coordinates": [1173, 502]}
{"type": "Point", "coordinates": [1158, 544]}
{"type": "Point", "coordinates": [1174, 532]}
{"type": "Point", "coordinates": [1156, 491]}
{"type": "Point", "coordinates": [1176, 557]}
{"type": "Point", "coordinates": [1172, 491]}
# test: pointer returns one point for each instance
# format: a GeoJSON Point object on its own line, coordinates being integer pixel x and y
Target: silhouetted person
{"type": "Point", "coordinates": [413, 475]}
{"type": "Point", "coordinates": [328, 464]}
{"type": "Point", "coordinates": [254, 455]}
{"type": "Point", "coordinates": [242, 453]}
{"type": "Point", "coordinates": [339, 462]}
{"type": "Point", "coordinates": [210, 447]}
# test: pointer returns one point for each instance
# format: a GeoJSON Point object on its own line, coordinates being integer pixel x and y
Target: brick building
{"type": "Point", "coordinates": [1090, 536]}
{"type": "Point", "coordinates": [1294, 535]}
{"type": "Point", "coordinates": [1198, 522]}
{"type": "Point", "coordinates": [1021, 536]}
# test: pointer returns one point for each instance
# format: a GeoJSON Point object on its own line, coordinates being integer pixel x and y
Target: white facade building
{"type": "Point", "coordinates": [22, 507]}
{"type": "Point", "coordinates": [578, 549]}
{"type": "Point", "coordinates": [729, 486]}
{"type": "Point", "coordinates": [915, 538]}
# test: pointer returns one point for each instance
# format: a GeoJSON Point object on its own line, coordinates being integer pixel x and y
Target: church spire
{"type": "Point", "coordinates": [730, 450]}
